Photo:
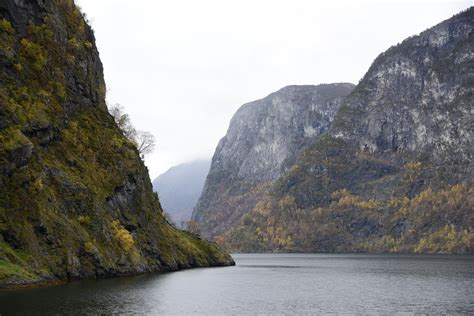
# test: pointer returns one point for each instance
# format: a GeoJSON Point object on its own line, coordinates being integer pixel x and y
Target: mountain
{"type": "Point", "coordinates": [263, 140]}
{"type": "Point", "coordinates": [76, 200]}
{"type": "Point", "coordinates": [394, 172]}
{"type": "Point", "coordinates": [179, 188]}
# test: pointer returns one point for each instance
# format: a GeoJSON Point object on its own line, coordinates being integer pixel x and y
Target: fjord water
{"type": "Point", "coordinates": [271, 284]}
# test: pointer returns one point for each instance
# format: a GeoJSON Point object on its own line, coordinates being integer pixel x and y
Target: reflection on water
{"type": "Point", "coordinates": [271, 284]}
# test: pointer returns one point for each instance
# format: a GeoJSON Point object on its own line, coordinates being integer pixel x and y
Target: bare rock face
{"type": "Point", "coordinates": [263, 139]}
{"type": "Point", "coordinates": [414, 106]}
{"type": "Point", "coordinates": [264, 134]}
{"type": "Point", "coordinates": [417, 96]}
{"type": "Point", "coordinates": [395, 170]}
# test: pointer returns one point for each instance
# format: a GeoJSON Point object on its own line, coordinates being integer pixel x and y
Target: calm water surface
{"type": "Point", "coordinates": [271, 284]}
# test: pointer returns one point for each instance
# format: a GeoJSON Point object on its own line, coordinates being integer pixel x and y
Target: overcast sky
{"type": "Point", "coordinates": [182, 68]}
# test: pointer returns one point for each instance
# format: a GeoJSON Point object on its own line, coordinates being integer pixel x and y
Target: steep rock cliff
{"type": "Point", "coordinates": [75, 198]}
{"type": "Point", "coordinates": [395, 170]}
{"type": "Point", "coordinates": [417, 96]}
{"type": "Point", "coordinates": [413, 106]}
{"type": "Point", "coordinates": [263, 139]}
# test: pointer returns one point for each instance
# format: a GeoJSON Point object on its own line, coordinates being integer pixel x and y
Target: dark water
{"type": "Point", "coordinates": [271, 284]}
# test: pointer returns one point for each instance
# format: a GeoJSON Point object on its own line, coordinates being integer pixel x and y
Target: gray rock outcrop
{"type": "Point", "coordinates": [263, 139]}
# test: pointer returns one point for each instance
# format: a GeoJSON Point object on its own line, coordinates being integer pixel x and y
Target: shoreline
{"type": "Point", "coordinates": [56, 282]}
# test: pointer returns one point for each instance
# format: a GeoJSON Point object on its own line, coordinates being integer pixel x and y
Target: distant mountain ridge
{"type": "Point", "coordinates": [179, 188]}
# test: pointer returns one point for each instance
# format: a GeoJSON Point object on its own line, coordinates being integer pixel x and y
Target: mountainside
{"type": "Point", "coordinates": [75, 198]}
{"type": "Point", "coordinates": [263, 139]}
{"type": "Point", "coordinates": [179, 188]}
{"type": "Point", "coordinates": [394, 172]}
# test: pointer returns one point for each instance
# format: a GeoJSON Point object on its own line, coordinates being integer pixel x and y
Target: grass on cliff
{"type": "Point", "coordinates": [58, 215]}
{"type": "Point", "coordinates": [14, 266]}
{"type": "Point", "coordinates": [340, 199]}
{"type": "Point", "coordinates": [10, 272]}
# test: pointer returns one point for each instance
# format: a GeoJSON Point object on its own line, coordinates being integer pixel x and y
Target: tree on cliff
{"type": "Point", "coordinates": [143, 140]}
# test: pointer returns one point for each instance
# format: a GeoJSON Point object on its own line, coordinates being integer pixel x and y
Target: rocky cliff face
{"type": "Point", "coordinates": [417, 96]}
{"type": "Point", "coordinates": [75, 198]}
{"type": "Point", "coordinates": [263, 139]}
{"type": "Point", "coordinates": [394, 172]}
{"type": "Point", "coordinates": [414, 106]}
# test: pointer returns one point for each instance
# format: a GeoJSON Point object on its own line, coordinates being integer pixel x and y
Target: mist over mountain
{"type": "Point", "coordinates": [179, 188]}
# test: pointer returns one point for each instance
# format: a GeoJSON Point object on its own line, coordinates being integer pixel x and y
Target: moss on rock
{"type": "Point", "coordinates": [76, 200]}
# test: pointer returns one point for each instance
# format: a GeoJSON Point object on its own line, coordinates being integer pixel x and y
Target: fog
{"type": "Point", "coordinates": [182, 68]}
